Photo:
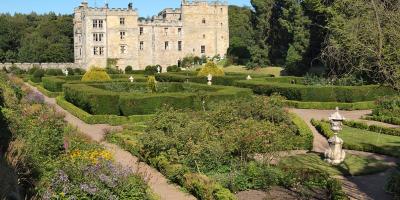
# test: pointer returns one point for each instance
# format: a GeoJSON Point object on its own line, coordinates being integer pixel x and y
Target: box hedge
{"type": "Point", "coordinates": [316, 93]}
{"type": "Point", "coordinates": [373, 128]}
{"type": "Point", "coordinates": [364, 105]}
{"type": "Point", "coordinates": [96, 99]}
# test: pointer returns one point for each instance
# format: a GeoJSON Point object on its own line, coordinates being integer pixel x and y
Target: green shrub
{"type": "Point", "coordinates": [96, 74]}
{"type": "Point", "coordinates": [71, 71]}
{"type": "Point", "coordinates": [79, 71]}
{"type": "Point", "coordinates": [373, 128]}
{"type": "Point", "coordinates": [173, 68]}
{"type": "Point", "coordinates": [37, 76]}
{"type": "Point", "coordinates": [54, 72]}
{"type": "Point", "coordinates": [389, 120]}
{"type": "Point", "coordinates": [33, 69]}
{"type": "Point", "coordinates": [211, 68]}
{"type": "Point", "coordinates": [307, 137]}
{"type": "Point", "coordinates": [92, 100]}
{"type": "Point", "coordinates": [387, 107]}
{"type": "Point", "coordinates": [393, 184]}
{"type": "Point", "coordinates": [53, 84]}
{"type": "Point", "coordinates": [297, 92]}
{"type": "Point", "coordinates": [152, 84]}
{"type": "Point", "coordinates": [128, 69]}
{"type": "Point", "coordinates": [365, 105]}
{"type": "Point", "coordinates": [152, 70]}
{"type": "Point", "coordinates": [323, 127]}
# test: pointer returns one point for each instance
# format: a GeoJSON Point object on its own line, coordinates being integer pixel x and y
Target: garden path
{"type": "Point", "coordinates": [357, 187]}
{"type": "Point", "coordinates": [156, 181]}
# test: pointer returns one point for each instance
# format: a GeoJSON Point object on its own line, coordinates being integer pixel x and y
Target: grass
{"type": "Point", "coordinates": [364, 140]}
{"type": "Point", "coordinates": [276, 71]}
{"type": "Point", "coordinates": [353, 165]}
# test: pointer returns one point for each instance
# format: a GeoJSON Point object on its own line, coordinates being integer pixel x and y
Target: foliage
{"type": "Point", "coordinates": [54, 72]}
{"type": "Point", "coordinates": [100, 119]}
{"type": "Point", "coordinates": [151, 84]}
{"type": "Point", "coordinates": [53, 161]}
{"type": "Point", "coordinates": [240, 34]}
{"type": "Point", "coordinates": [342, 81]}
{"type": "Point", "coordinates": [362, 105]}
{"type": "Point", "coordinates": [152, 70]}
{"type": "Point", "coordinates": [388, 107]}
{"type": "Point", "coordinates": [373, 128]}
{"type": "Point", "coordinates": [96, 74]}
{"type": "Point", "coordinates": [211, 68]}
{"type": "Point", "coordinates": [37, 75]}
{"type": "Point", "coordinates": [128, 69]}
{"type": "Point", "coordinates": [363, 40]}
{"type": "Point", "coordinates": [36, 38]}
{"type": "Point", "coordinates": [393, 184]}
{"type": "Point", "coordinates": [345, 94]}
{"type": "Point", "coordinates": [115, 98]}
{"type": "Point", "coordinates": [173, 68]}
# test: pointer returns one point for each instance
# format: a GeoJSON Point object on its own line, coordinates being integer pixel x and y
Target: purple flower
{"type": "Point", "coordinates": [88, 188]}
{"type": "Point", "coordinates": [35, 97]}
{"type": "Point", "coordinates": [110, 182]}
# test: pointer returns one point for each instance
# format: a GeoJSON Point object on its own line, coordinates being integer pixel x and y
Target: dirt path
{"type": "Point", "coordinates": [156, 181]}
{"type": "Point", "coordinates": [357, 187]}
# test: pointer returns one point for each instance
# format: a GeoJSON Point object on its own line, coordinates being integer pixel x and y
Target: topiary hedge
{"type": "Point", "coordinates": [373, 128]}
{"type": "Point", "coordinates": [211, 68]}
{"type": "Point", "coordinates": [96, 99]}
{"type": "Point", "coordinates": [96, 74]}
{"type": "Point", "coordinates": [364, 105]}
{"type": "Point", "coordinates": [316, 93]}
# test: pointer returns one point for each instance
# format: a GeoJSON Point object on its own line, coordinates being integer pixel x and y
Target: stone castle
{"type": "Point", "coordinates": [107, 36]}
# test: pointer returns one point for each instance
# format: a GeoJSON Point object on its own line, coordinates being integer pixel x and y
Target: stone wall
{"type": "Point", "coordinates": [26, 66]}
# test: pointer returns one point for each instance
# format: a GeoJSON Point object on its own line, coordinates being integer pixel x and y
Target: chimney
{"type": "Point", "coordinates": [84, 4]}
{"type": "Point", "coordinates": [130, 6]}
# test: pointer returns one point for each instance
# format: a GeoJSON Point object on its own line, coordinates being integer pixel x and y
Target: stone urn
{"type": "Point", "coordinates": [335, 154]}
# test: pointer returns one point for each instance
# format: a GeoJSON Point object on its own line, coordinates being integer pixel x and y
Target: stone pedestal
{"type": "Point", "coordinates": [335, 154]}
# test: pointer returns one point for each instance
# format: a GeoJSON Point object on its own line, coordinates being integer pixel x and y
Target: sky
{"type": "Point", "coordinates": [145, 7]}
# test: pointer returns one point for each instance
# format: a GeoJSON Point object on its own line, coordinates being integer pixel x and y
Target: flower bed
{"type": "Point", "coordinates": [52, 160]}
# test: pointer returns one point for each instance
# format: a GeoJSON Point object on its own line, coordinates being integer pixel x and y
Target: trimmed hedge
{"type": "Point", "coordinates": [385, 119]}
{"type": "Point", "coordinates": [94, 99]}
{"type": "Point", "coordinates": [48, 93]}
{"type": "Point", "coordinates": [304, 131]}
{"type": "Point", "coordinates": [323, 127]}
{"type": "Point", "coordinates": [373, 128]}
{"type": "Point", "coordinates": [365, 105]}
{"type": "Point", "coordinates": [100, 119]}
{"type": "Point", "coordinates": [316, 93]}
{"type": "Point", "coordinates": [91, 99]}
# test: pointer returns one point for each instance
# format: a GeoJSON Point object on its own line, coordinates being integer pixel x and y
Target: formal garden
{"type": "Point", "coordinates": [214, 140]}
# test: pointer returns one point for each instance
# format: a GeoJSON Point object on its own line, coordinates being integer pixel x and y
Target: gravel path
{"type": "Point", "coordinates": [156, 181]}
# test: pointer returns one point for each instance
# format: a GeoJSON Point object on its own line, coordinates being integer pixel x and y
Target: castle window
{"type": "Point", "coordinates": [79, 39]}
{"type": "Point", "coordinates": [95, 50]}
{"type": "Point", "coordinates": [122, 21]}
{"type": "Point", "coordinates": [203, 21]}
{"type": "Point", "coordinates": [179, 31]}
{"type": "Point", "coordinates": [165, 31]}
{"type": "Point", "coordinates": [122, 35]}
{"type": "Point", "coordinates": [100, 23]}
{"type": "Point", "coordinates": [80, 51]}
{"type": "Point", "coordinates": [98, 37]}
{"type": "Point", "coordinates": [166, 45]}
{"type": "Point", "coordinates": [95, 23]}
{"type": "Point", "coordinates": [101, 51]}
{"type": "Point", "coordinates": [141, 46]}
{"type": "Point", "coordinates": [221, 9]}
{"type": "Point", "coordinates": [203, 49]}
{"type": "Point", "coordinates": [204, 36]}
{"type": "Point", "coordinates": [179, 45]}
{"type": "Point", "coordinates": [123, 49]}
{"type": "Point", "coordinates": [141, 30]}
{"type": "Point", "coordinates": [221, 24]}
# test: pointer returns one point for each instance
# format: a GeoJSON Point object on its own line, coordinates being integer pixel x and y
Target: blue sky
{"type": "Point", "coordinates": [145, 7]}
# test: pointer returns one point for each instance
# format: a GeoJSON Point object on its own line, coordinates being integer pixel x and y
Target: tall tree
{"type": "Point", "coordinates": [260, 50]}
{"type": "Point", "coordinates": [240, 33]}
{"type": "Point", "coordinates": [290, 36]}
{"type": "Point", "coordinates": [364, 39]}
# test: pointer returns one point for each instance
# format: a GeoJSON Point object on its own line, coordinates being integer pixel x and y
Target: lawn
{"type": "Point", "coordinates": [353, 165]}
{"type": "Point", "coordinates": [276, 71]}
{"type": "Point", "coordinates": [364, 140]}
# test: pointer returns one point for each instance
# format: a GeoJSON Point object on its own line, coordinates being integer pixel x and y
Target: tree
{"type": "Point", "coordinates": [364, 40]}
{"type": "Point", "coordinates": [289, 36]}
{"type": "Point", "coordinates": [240, 34]}
{"type": "Point", "coordinates": [261, 22]}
